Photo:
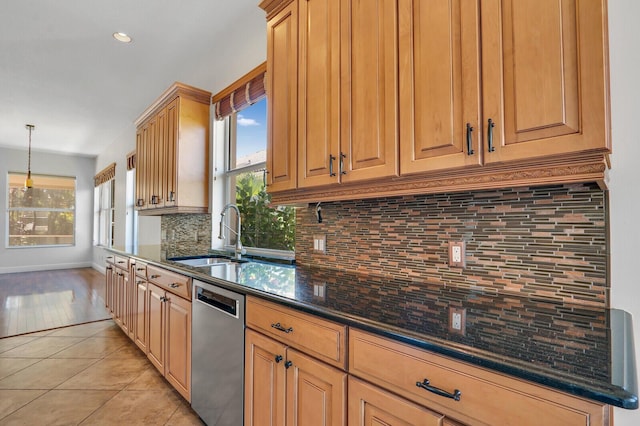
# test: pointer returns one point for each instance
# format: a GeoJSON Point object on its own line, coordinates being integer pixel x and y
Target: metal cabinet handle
{"type": "Point", "coordinates": [174, 285]}
{"type": "Point", "coordinates": [172, 196]}
{"type": "Point", "coordinates": [342, 157]}
{"type": "Point", "coordinates": [163, 299]}
{"type": "Point", "coordinates": [288, 364]}
{"type": "Point", "coordinates": [278, 359]}
{"type": "Point", "coordinates": [469, 140]}
{"type": "Point", "coordinates": [490, 126]}
{"type": "Point", "coordinates": [331, 160]}
{"type": "Point", "coordinates": [139, 269]}
{"type": "Point", "coordinates": [425, 385]}
{"type": "Point", "coordinates": [155, 276]}
{"type": "Point", "coordinates": [277, 326]}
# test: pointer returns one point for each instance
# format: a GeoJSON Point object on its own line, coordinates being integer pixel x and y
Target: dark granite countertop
{"type": "Point", "coordinates": [585, 351]}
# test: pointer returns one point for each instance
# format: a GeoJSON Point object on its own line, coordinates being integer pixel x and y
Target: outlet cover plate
{"type": "Point", "coordinates": [457, 254]}
{"type": "Point", "coordinates": [458, 320]}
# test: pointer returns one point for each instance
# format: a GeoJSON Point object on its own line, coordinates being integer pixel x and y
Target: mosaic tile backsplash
{"type": "Point", "coordinates": [185, 234]}
{"type": "Point", "coordinates": [545, 242]}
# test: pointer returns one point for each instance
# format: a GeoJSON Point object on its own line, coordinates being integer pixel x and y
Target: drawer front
{"type": "Point", "coordinates": [485, 396]}
{"type": "Point", "coordinates": [121, 262]}
{"type": "Point", "coordinates": [175, 283]}
{"type": "Point", "coordinates": [317, 337]}
{"type": "Point", "coordinates": [141, 269]}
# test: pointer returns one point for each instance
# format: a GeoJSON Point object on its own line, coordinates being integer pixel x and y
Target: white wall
{"type": "Point", "coordinates": [45, 258]}
{"type": "Point", "coordinates": [624, 47]}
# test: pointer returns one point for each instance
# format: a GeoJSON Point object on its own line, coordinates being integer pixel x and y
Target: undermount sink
{"type": "Point", "coordinates": [199, 262]}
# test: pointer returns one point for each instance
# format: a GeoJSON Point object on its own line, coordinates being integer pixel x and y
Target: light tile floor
{"type": "Point", "coordinates": [89, 374]}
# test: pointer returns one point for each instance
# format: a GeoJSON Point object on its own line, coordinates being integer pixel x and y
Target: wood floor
{"type": "Point", "coordinates": [44, 300]}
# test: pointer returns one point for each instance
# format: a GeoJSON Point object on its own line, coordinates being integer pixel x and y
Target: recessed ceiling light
{"type": "Point", "coordinates": [122, 37]}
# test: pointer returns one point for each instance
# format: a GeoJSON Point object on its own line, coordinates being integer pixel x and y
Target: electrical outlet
{"type": "Point", "coordinates": [320, 243]}
{"type": "Point", "coordinates": [457, 320]}
{"type": "Point", "coordinates": [456, 254]}
{"type": "Point", "coordinates": [319, 292]}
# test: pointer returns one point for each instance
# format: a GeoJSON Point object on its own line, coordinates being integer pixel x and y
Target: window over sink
{"type": "Point", "coordinates": [265, 229]}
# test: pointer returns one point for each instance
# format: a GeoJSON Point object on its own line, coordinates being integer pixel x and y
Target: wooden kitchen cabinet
{"type": "Point", "coordinates": [442, 96]}
{"type": "Point", "coordinates": [172, 146]}
{"type": "Point", "coordinates": [486, 397]}
{"type": "Point", "coordinates": [439, 102]}
{"type": "Point", "coordinates": [140, 317]}
{"type": "Point", "coordinates": [282, 66]}
{"type": "Point", "coordinates": [287, 378]}
{"type": "Point", "coordinates": [544, 77]}
{"type": "Point", "coordinates": [169, 335]}
{"type": "Point", "coordinates": [369, 405]}
{"type": "Point", "coordinates": [286, 387]}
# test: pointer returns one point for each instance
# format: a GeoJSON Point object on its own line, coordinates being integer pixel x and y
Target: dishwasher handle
{"type": "Point", "coordinates": [217, 301]}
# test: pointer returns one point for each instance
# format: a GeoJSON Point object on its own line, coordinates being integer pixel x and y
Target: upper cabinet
{"type": "Point", "coordinates": [544, 78]}
{"type": "Point", "coordinates": [399, 97]}
{"type": "Point", "coordinates": [172, 145]}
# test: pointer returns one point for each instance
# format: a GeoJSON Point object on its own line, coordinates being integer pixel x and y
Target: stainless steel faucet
{"type": "Point", "coordinates": [239, 250]}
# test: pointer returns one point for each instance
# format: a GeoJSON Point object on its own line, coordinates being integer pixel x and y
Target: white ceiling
{"type": "Point", "coordinates": [61, 70]}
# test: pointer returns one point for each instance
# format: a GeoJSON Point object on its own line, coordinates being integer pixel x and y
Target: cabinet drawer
{"type": "Point", "coordinates": [120, 261]}
{"type": "Point", "coordinates": [486, 397]}
{"type": "Point", "coordinates": [141, 269]}
{"type": "Point", "coordinates": [317, 337]}
{"type": "Point", "coordinates": [175, 283]}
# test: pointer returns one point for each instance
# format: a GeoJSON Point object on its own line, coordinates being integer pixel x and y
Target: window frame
{"type": "Point", "coordinates": [103, 213]}
{"type": "Point", "coordinates": [10, 209]}
{"type": "Point", "coordinates": [229, 192]}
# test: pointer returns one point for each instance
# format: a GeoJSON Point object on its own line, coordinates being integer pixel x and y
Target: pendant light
{"type": "Point", "coordinates": [28, 183]}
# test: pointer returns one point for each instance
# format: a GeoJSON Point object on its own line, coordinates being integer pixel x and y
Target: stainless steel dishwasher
{"type": "Point", "coordinates": [217, 355]}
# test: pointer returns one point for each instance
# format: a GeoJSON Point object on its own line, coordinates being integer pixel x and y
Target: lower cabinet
{"type": "Point", "coordinates": [370, 405]}
{"type": "Point", "coordinates": [286, 387]}
{"type": "Point", "coordinates": [153, 307]}
{"type": "Point", "coordinates": [294, 368]}
{"type": "Point", "coordinates": [169, 337]}
{"type": "Point", "coordinates": [460, 392]}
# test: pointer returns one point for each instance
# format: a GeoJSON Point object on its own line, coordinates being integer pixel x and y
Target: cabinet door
{"type": "Point", "coordinates": [439, 85]}
{"type": "Point", "coordinates": [544, 77]}
{"type": "Point", "coordinates": [178, 344]}
{"type": "Point", "coordinates": [153, 166]}
{"type": "Point", "coordinates": [319, 93]}
{"type": "Point", "coordinates": [265, 381]}
{"type": "Point", "coordinates": [156, 337]}
{"type": "Point", "coordinates": [108, 288]}
{"type": "Point", "coordinates": [140, 315]}
{"type": "Point", "coordinates": [118, 308]}
{"type": "Point", "coordinates": [170, 153]}
{"type": "Point", "coordinates": [160, 154]}
{"type": "Point", "coordinates": [141, 165]}
{"type": "Point", "coordinates": [282, 112]}
{"type": "Point", "coordinates": [369, 405]}
{"type": "Point", "coordinates": [316, 392]}
{"type": "Point", "coordinates": [369, 89]}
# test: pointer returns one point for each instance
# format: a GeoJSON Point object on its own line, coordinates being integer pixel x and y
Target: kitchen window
{"type": "Point", "coordinates": [103, 206]}
{"type": "Point", "coordinates": [265, 229]}
{"type": "Point", "coordinates": [43, 215]}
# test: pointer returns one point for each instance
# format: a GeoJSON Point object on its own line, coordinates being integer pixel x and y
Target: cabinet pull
{"type": "Point", "coordinates": [174, 285]}
{"type": "Point", "coordinates": [288, 364]}
{"type": "Point", "coordinates": [425, 385]}
{"type": "Point", "coordinates": [264, 177]}
{"type": "Point", "coordinates": [163, 299]}
{"type": "Point", "coordinates": [140, 202]}
{"type": "Point", "coordinates": [490, 126]}
{"type": "Point", "coordinates": [331, 159]}
{"type": "Point", "coordinates": [469, 140]}
{"type": "Point", "coordinates": [342, 157]}
{"type": "Point", "coordinates": [278, 359]}
{"type": "Point", "coordinates": [139, 269]}
{"type": "Point", "coordinates": [155, 276]}
{"type": "Point", "coordinates": [172, 196]}
{"type": "Point", "coordinates": [277, 326]}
